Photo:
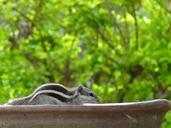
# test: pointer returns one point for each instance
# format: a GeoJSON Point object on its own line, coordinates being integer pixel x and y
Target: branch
{"type": "Point", "coordinates": [117, 26]}
{"type": "Point", "coordinates": [67, 73]}
{"type": "Point", "coordinates": [34, 25]}
{"type": "Point", "coordinates": [135, 24]}
{"type": "Point", "coordinates": [127, 32]}
{"type": "Point", "coordinates": [14, 42]}
{"type": "Point", "coordinates": [31, 59]}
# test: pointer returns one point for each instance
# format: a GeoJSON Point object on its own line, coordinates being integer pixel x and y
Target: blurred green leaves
{"type": "Point", "coordinates": [120, 48]}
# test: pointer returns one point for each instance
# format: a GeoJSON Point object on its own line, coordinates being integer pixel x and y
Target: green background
{"type": "Point", "coordinates": [120, 48]}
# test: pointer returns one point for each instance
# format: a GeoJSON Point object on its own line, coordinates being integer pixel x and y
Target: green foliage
{"type": "Point", "coordinates": [121, 47]}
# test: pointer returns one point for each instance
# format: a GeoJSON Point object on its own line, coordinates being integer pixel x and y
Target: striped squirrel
{"type": "Point", "coordinates": [58, 94]}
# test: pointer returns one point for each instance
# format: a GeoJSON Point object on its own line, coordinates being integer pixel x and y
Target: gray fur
{"type": "Point", "coordinates": [57, 94]}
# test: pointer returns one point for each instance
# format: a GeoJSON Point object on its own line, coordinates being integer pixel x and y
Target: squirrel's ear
{"type": "Point", "coordinates": [80, 88]}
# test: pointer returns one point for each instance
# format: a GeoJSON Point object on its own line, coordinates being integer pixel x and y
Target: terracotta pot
{"type": "Point", "coordinates": [148, 114]}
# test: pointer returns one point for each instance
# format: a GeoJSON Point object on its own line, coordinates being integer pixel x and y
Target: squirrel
{"type": "Point", "coordinates": [58, 94]}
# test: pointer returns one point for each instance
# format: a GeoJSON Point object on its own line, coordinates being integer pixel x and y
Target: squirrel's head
{"type": "Point", "coordinates": [87, 95]}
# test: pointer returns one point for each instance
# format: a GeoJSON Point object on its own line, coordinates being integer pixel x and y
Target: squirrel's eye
{"type": "Point", "coordinates": [91, 94]}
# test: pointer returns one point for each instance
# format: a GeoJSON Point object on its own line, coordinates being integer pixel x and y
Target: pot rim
{"type": "Point", "coordinates": [158, 104]}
